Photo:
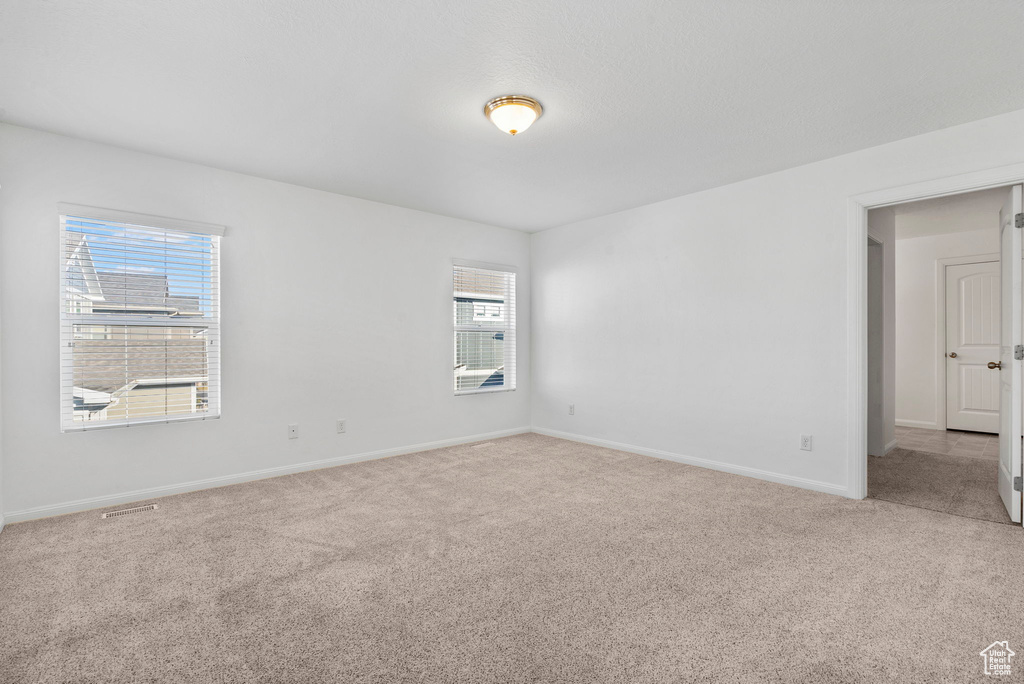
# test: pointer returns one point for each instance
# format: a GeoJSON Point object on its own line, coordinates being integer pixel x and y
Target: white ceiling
{"type": "Point", "coordinates": [951, 214]}
{"type": "Point", "coordinates": [644, 100]}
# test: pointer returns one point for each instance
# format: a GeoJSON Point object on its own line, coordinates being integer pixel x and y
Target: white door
{"type": "Point", "coordinates": [972, 341]}
{"type": "Point", "coordinates": [1010, 418]}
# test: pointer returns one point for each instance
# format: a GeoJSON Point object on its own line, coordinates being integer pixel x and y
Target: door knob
{"type": "Point", "coordinates": [951, 355]}
{"type": "Point", "coordinates": [995, 364]}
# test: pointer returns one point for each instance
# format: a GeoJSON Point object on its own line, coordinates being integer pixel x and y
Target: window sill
{"type": "Point", "coordinates": [496, 390]}
{"type": "Point", "coordinates": [108, 425]}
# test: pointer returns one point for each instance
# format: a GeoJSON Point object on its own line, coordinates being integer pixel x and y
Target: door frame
{"type": "Point", "coordinates": [857, 296]}
{"type": "Point", "coordinates": [875, 242]}
{"type": "Point", "coordinates": [941, 369]}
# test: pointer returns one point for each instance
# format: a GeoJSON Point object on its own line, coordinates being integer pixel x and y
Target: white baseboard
{"type": "Point", "coordinates": [803, 483]}
{"type": "Point", "coordinates": [923, 424]}
{"type": "Point", "coordinates": [3, 521]}
{"type": "Point", "coordinates": [891, 445]}
{"type": "Point", "coordinates": [209, 483]}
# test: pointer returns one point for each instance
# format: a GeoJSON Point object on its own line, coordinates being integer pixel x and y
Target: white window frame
{"type": "Point", "coordinates": [507, 327]}
{"type": "Point", "coordinates": [69, 320]}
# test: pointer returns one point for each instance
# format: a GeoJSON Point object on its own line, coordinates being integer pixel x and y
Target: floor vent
{"type": "Point", "coordinates": [128, 511]}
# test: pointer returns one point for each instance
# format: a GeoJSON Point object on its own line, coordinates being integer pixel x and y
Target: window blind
{"type": "Point", "coordinates": [485, 330]}
{"type": "Point", "coordinates": [140, 324]}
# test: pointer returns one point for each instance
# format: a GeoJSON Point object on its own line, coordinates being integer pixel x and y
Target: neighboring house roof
{"type": "Point", "coordinates": [110, 365]}
{"type": "Point", "coordinates": [141, 292]}
{"type": "Point", "coordinates": [90, 400]}
{"type": "Point", "coordinates": [123, 291]}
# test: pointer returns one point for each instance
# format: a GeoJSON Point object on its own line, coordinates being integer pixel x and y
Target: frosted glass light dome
{"type": "Point", "coordinates": [513, 113]}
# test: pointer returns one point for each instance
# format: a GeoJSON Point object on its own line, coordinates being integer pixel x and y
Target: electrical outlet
{"type": "Point", "coordinates": [341, 425]}
{"type": "Point", "coordinates": [805, 442]}
{"type": "Point", "coordinates": [293, 431]}
{"type": "Point", "coordinates": [572, 409]}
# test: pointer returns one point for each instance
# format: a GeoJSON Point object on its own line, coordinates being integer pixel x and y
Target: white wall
{"type": "Point", "coordinates": [882, 334]}
{"type": "Point", "coordinates": [713, 327]}
{"type": "Point", "coordinates": [709, 328]}
{"type": "Point", "coordinates": [333, 307]}
{"type": "Point", "coordinates": [917, 337]}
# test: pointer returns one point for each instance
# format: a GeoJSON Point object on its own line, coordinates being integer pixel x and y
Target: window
{"type": "Point", "coordinates": [140, 319]}
{"type": "Point", "coordinates": [485, 329]}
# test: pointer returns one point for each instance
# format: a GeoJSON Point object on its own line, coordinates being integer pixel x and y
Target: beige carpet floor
{"type": "Point", "coordinates": [529, 559]}
{"type": "Point", "coordinates": [960, 485]}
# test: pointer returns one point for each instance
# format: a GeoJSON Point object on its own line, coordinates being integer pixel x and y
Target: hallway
{"type": "Point", "coordinates": [948, 471]}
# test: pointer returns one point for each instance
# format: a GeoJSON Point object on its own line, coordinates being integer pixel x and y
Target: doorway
{"type": "Point", "coordinates": [953, 443]}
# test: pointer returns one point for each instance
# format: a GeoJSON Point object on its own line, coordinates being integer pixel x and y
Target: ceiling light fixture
{"type": "Point", "coordinates": [513, 113]}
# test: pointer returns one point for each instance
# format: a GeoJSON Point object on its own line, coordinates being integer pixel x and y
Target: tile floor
{"type": "Point", "coordinates": [951, 442]}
